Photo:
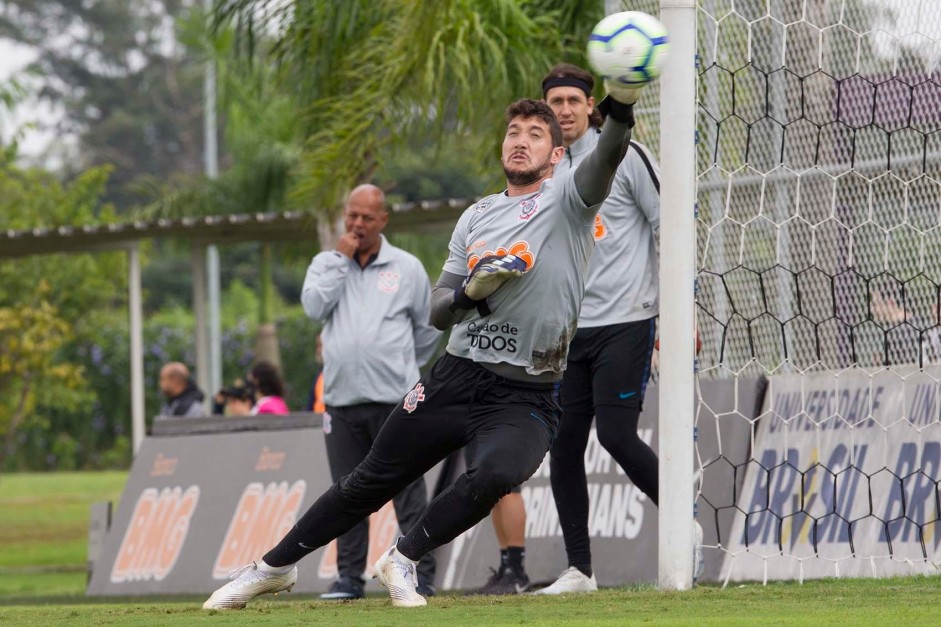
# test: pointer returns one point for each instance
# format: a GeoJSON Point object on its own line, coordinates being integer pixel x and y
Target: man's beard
{"type": "Point", "coordinates": [522, 178]}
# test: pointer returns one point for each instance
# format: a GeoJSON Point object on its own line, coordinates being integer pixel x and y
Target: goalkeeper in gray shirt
{"type": "Point", "coordinates": [609, 358]}
{"type": "Point", "coordinates": [511, 288]}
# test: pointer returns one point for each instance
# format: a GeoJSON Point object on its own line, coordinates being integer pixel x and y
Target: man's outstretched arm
{"type": "Point", "coordinates": [593, 176]}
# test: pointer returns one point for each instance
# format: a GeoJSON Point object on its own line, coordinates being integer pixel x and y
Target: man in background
{"type": "Point", "coordinates": [374, 301]}
{"type": "Point", "coordinates": [609, 358]}
{"type": "Point", "coordinates": [184, 399]}
{"type": "Point", "coordinates": [235, 400]}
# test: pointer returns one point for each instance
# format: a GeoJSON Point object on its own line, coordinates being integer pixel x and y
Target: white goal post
{"type": "Point", "coordinates": [677, 306]}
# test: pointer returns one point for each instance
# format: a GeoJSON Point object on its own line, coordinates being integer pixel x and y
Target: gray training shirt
{"type": "Point", "coordinates": [532, 318]}
{"type": "Point", "coordinates": [623, 276]}
{"type": "Point", "coordinates": [376, 332]}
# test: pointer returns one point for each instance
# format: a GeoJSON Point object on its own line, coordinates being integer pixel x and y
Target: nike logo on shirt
{"type": "Point", "coordinates": [624, 395]}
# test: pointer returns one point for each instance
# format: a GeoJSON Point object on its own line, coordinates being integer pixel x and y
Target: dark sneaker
{"type": "Point", "coordinates": [505, 582]}
{"type": "Point", "coordinates": [492, 583]}
{"type": "Point", "coordinates": [345, 589]}
{"type": "Point", "coordinates": [426, 588]}
{"type": "Point", "coordinates": [512, 582]}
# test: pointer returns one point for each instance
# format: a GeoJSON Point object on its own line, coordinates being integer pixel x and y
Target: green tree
{"type": "Point", "coordinates": [48, 304]}
{"type": "Point", "coordinates": [261, 143]}
{"type": "Point", "coordinates": [31, 336]}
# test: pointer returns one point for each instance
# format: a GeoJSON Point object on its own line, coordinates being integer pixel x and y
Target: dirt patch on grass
{"type": "Point", "coordinates": [18, 535]}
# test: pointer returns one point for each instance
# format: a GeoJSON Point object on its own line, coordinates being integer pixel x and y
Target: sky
{"type": "Point", "coordinates": [13, 58]}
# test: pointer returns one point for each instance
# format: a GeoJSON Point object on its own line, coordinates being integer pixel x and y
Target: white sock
{"type": "Point", "coordinates": [274, 570]}
{"type": "Point", "coordinates": [403, 555]}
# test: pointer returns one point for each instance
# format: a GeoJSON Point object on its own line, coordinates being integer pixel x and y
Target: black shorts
{"type": "Point", "coordinates": [459, 403]}
{"type": "Point", "coordinates": [477, 381]}
{"type": "Point", "coordinates": [608, 366]}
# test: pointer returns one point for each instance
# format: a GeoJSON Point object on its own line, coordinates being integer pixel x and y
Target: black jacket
{"type": "Point", "coordinates": [189, 402]}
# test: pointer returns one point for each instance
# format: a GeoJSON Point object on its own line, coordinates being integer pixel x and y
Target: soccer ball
{"type": "Point", "coordinates": [628, 48]}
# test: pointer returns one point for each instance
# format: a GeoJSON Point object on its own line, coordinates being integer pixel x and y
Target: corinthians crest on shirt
{"type": "Point", "coordinates": [388, 281]}
{"type": "Point", "coordinates": [529, 207]}
{"type": "Point", "coordinates": [413, 398]}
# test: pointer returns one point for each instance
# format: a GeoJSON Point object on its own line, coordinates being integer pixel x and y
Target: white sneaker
{"type": "Point", "coordinates": [248, 582]}
{"type": "Point", "coordinates": [699, 564]}
{"type": "Point", "coordinates": [571, 580]}
{"type": "Point", "coordinates": [397, 573]}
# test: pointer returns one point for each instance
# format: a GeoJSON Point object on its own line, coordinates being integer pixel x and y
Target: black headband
{"type": "Point", "coordinates": [565, 81]}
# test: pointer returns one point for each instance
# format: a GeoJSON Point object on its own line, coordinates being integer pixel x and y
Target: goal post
{"type": "Point", "coordinates": [677, 306]}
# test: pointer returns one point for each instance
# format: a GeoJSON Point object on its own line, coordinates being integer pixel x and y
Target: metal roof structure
{"type": "Point", "coordinates": [203, 232]}
{"type": "Point", "coordinates": [215, 229]}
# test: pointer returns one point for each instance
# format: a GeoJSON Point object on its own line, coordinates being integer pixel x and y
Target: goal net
{"type": "Point", "coordinates": [818, 296]}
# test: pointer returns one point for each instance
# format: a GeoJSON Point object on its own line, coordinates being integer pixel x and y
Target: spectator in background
{"type": "Point", "coordinates": [235, 400]}
{"type": "Point", "coordinates": [184, 399]}
{"type": "Point", "coordinates": [912, 335]}
{"type": "Point", "coordinates": [269, 389]}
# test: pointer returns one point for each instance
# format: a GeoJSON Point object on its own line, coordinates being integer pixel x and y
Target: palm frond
{"type": "Point", "coordinates": [369, 74]}
{"type": "Point", "coordinates": [431, 63]}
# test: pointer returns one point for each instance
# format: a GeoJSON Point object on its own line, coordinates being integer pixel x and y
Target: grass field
{"type": "Point", "coordinates": [43, 527]}
{"type": "Point", "coordinates": [862, 602]}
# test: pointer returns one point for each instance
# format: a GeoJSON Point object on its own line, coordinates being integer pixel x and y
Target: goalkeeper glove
{"type": "Point", "coordinates": [487, 277]}
{"type": "Point", "coordinates": [619, 103]}
{"type": "Point", "coordinates": [622, 93]}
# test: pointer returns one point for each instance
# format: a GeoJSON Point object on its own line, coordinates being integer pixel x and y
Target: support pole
{"type": "Point", "coordinates": [136, 332]}
{"type": "Point", "coordinates": [199, 311]}
{"type": "Point", "coordinates": [215, 326]}
{"type": "Point", "coordinates": [211, 164]}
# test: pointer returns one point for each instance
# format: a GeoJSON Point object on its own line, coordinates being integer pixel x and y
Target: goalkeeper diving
{"type": "Point", "coordinates": [511, 289]}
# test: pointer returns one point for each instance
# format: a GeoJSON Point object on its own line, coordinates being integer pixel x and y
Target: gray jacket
{"type": "Point", "coordinates": [376, 332]}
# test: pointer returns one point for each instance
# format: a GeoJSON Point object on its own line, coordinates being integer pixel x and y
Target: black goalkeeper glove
{"type": "Point", "coordinates": [487, 277]}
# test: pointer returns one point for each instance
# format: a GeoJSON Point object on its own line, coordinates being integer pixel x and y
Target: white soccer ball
{"type": "Point", "coordinates": [628, 48]}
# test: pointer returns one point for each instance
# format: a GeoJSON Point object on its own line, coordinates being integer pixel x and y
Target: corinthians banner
{"type": "Point", "coordinates": [843, 479]}
{"type": "Point", "coordinates": [202, 500]}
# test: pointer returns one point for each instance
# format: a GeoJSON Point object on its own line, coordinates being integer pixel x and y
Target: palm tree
{"type": "Point", "coordinates": [318, 94]}
{"type": "Point", "coordinates": [371, 73]}
{"type": "Point", "coordinates": [11, 94]}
